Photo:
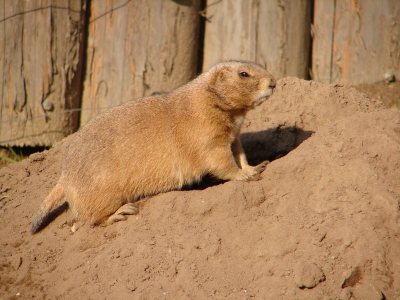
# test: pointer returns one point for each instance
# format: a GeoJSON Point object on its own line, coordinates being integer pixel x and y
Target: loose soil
{"type": "Point", "coordinates": [322, 223]}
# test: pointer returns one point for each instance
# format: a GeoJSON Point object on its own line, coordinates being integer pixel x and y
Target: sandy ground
{"type": "Point", "coordinates": [322, 223]}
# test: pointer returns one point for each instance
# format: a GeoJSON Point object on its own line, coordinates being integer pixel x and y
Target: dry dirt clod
{"type": "Point", "coordinates": [351, 277]}
{"type": "Point", "coordinates": [307, 275]}
{"type": "Point", "coordinates": [367, 292]}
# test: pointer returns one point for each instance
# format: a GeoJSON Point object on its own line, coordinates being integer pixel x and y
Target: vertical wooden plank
{"type": "Point", "coordinates": [274, 33]}
{"type": "Point", "coordinates": [3, 49]}
{"type": "Point", "coordinates": [230, 31]}
{"type": "Point", "coordinates": [136, 48]}
{"type": "Point", "coordinates": [13, 95]}
{"type": "Point", "coordinates": [364, 40]}
{"type": "Point", "coordinates": [297, 15]}
{"type": "Point", "coordinates": [322, 33]}
{"type": "Point", "coordinates": [366, 36]}
{"type": "Point", "coordinates": [39, 62]}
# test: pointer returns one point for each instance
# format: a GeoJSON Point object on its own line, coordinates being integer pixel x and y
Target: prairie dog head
{"type": "Point", "coordinates": [241, 85]}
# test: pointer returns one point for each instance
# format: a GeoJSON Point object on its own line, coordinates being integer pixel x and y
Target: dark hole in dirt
{"type": "Point", "coordinates": [270, 144]}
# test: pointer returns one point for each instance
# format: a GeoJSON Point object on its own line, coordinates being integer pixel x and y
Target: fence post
{"type": "Point", "coordinates": [355, 41]}
{"type": "Point", "coordinates": [271, 32]}
{"type": "Point", "coordinates": [136, 48]}
{"type": "Point", "coordinates": [40, 70]}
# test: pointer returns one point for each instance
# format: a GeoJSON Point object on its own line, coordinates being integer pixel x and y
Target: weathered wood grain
{"type": "Point", "coordinates": [40, 73]}
{"type": "Point", "coordinates": [139, 47]}
{"type": "Point", "coordinates": [136, 48]}
{"type": "Point", "coordinates": [322, 33]}
{"type": "Point", "coordinates": [355, 41]}
{"type": "Point", "coordinates": [274, 33]}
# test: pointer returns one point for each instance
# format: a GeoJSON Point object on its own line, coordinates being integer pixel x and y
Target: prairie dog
{"type": "Point", "coordinates": [160, 143]}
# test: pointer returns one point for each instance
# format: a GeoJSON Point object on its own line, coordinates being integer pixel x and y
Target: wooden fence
{"type": "Point", "coordinates": [41, 70]}
{"type": "Point", "coordinates": [64, 62]}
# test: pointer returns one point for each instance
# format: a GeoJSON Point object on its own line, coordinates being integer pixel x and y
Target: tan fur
{"type": "Point", "coordinates": [160, 143]}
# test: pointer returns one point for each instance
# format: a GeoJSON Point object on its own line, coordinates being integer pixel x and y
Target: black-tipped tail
{"type": "Point", "coordinates": [50, 209]}
{"type": "Point", "coordinates": [38, 222]}
{"type": "Point", "coordinates": [41, 219]}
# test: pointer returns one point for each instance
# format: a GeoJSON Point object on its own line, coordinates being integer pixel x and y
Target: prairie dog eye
{"type": "Point", "coordinates": [244, 74]}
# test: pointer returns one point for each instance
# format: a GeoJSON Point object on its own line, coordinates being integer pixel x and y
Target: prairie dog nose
{"type": "Point", "coordinates": [272, 82]}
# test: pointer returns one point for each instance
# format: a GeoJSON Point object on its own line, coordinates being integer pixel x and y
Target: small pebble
{"type": "Point", "coordinates": [132, 287]}
{"type": "Point", "coordinates": [322, 236]}
{"type": "Point", "coordinates": [48, 105]}
{"type": "Point", "coordinates": [389, 76]}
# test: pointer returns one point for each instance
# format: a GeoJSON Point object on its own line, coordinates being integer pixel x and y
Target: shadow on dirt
{"type": "Point", "coordinates": [270, 144]}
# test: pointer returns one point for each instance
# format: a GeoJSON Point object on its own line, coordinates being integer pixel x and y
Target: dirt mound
{"type": "Point", "coordinates": [322, 223]}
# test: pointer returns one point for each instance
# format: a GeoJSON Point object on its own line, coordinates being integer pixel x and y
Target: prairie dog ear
{"type": "Point", "coordinates": [221, 75]}
{"type": "Point", "coordinates": [218, 77]}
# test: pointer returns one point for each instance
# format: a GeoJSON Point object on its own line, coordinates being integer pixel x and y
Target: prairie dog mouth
{"type": "Point", "coordinates": [269, 92]}
{"type": "Point", "coordinates": [264, 96]}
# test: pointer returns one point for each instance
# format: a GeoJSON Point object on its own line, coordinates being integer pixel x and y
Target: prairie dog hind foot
{"type": "Point", "coordinates": [120, 214]}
